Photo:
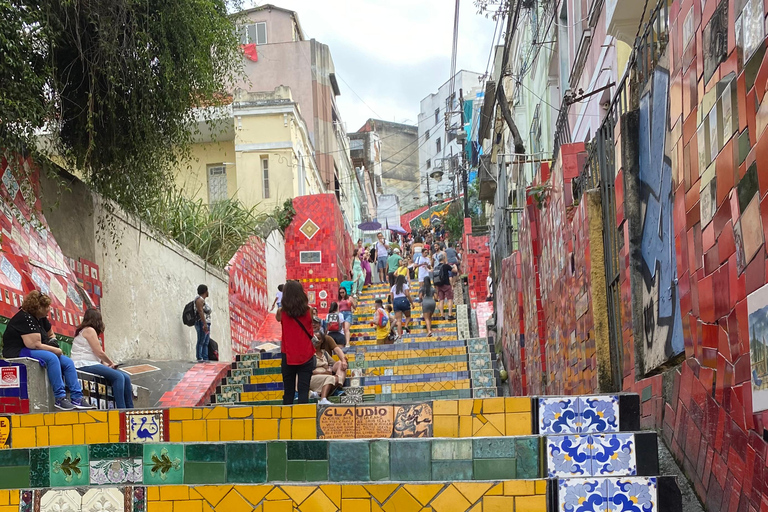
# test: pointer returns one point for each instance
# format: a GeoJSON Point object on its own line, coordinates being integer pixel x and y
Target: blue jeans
{"type": "Point", "coordinates": [120, 382]}
{"type": "Point", "coordinates": [202, 341]}
{"type": "Point", "coordinates": [60, 369]}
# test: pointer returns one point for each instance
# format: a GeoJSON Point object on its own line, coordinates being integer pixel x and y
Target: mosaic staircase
{"type": "Point", "coordinates": [543, 454]}
{"type": "Point", "coordinates": [418, 368]}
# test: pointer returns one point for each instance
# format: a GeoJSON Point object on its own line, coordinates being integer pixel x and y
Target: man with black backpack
{"type": "Point", "coordinates": [198, 313]}
{"type": "Point", "coordinates": [442, 281]}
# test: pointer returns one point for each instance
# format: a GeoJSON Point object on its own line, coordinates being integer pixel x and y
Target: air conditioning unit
{"type": "Point", "coordinates": [487, 179]}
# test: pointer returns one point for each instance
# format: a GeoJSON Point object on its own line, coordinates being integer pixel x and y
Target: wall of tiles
{"type": "Point", "coordinates": [248, 295]}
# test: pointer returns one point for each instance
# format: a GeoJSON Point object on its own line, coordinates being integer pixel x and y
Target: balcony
{"type": "Point", "coordinates": [624, 16]}
{"type": "Point", "coordinates": [486, 175]}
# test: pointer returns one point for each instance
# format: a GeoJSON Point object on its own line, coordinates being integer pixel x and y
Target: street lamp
{"type": "Point", "coordinates": [436, 175]}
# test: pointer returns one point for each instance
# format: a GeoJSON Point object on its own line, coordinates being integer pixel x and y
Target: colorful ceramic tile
{"type": "Point", "coordinates": [558, 416]}
{"type": "Point", "coordinates": [757, 304]}
{"type": "Point", "coordinates": [336, 422]}
{"type": "Point", "coordinates": [349, 461]}
{"type": "Point", "coordinates": [373, 421]}
{"type": "Point", "coordinates": [480, 361]}
{"type": "Point", "coordinates": [477, 345]}
{"type": "Point", "coordinates": [137, 498]}
{"type": "Point", "coordinates": [69, 466]}
{"type": "Point", "coordinates": [60, 501]}
{"type": "Point", "coordinates": [413, 420]}
{"type": "Point", "coordinates": [144, 426]}
{"type": "Point", "coordinates": [583, 495]}
{"type": "Point", "coordinates": [103, 500]}
{"type": "Point", "coordinates": [483, 379]}
{"type": "Point", "coordinates": [613, 455]}
{"type": "Point", "coordinates": [117, 471]}
{"type": "Point", "coordinates": [163, 464]}
{"type": "Point", "coordinates": [484, 392]}
{"type": "Point", "coordinates": [247, 463]}
{"type": "Point", "coordinates": [598, 414]}
{"type": "Point", "coordinates": [632, 494]}
{"type": "Point", "coordinates": [568, 456]}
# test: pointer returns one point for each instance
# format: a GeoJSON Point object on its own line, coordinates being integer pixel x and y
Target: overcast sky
{"type": "Point", "coordinates": [392, 53]}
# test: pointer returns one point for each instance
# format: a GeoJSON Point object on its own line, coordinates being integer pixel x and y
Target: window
{"type": "Point", "coordinates": [265, 177]}
{"type": "Point", "coordinates": [437, 115]}
{"type": "Point", "coordinates": [217, 183]}
{"type": "Point", "coordinates": [438, 146]}
{"type": "Point", "coordinates": [426, 135]}
{"type": "Point", "coordinates": [302, 176]}
{"type": "Point", "coordinates": [255, 33]}
{"type": "Point", "coordinates": [429, 163]}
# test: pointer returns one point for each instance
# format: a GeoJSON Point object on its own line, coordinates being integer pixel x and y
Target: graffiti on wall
{"type": "Point", "coordinates": [662, 325]}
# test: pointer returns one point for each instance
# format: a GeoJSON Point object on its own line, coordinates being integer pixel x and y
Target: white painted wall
{"type": "Point", "coordinates": [275, 256]}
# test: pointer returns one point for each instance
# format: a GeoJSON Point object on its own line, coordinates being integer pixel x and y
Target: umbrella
{"type": "Point", "coordinates": [397, 229]}
{"type": "Point", "coordinates": [369, 226]}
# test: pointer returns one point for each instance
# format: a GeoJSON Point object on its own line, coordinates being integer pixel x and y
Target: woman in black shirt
{"type": "Point", "coordinates": [29, 334]}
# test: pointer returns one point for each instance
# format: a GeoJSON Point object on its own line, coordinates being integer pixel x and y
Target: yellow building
{"type": "Point", "coordinates": [259, 151]}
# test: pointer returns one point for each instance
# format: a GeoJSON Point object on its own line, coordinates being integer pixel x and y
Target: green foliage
{"type": "Point", "coordinates": [283, 215]}
{"type": "Point", "coordinates": [113, 83]}
{"type": "Point", "coordinates": [540, 194]}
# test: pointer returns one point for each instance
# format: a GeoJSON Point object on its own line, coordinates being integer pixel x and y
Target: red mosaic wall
{"type": "Point", "coordinates": [477, 258]}
{"type": "Point", "coordinates": [248, 298]}
{"type": "Point", "coordinates": [321, 280]}
{"type": "Point", "coordinates": [512, 336]}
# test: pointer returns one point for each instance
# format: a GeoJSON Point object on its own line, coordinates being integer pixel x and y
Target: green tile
{"type": "Point", "coordinates": [494, 448]}
{"type": "Point", "coordinates": [349, 461]}
{"type": "Point", "coordinates": [307, 450]}
{"type": "Point", "coordinates": [214, 452]}
{"type": "Point", "coordinates": [135, 450]}
{"type": "Point", "coordinates": [69, 466]}
{"type": "Point", "coordinates": [452, 449]}
{"type": "Point", "coordinates": [14, 457]}
{"type": "Point", "coordinates": [205, 473]}
{"type": "Point", "coordinates": [528, 456]}
{"type": "Point", "coordinates": [39, 464]}
{"type": "Point", "coordinates": [108, 451]}
{"type": "Point", "coordinates": [410, 460]}
{"type": "Point", "coordinates": [295, 471]}
{"type": "Point", "coordinates": [494, 469]}
{"type": "Point", "coordinates": [276, 461]}
{"type": "Point", "coordinates": [448, 470]}
{"type": "Point", "coordinates": [247, 463]}
{"type": "Point", "coordinates": [316, 470]}
{"type": "Point", "coordinates": [14, 477]}
{"type": "Point", "coordinates": [379, 460]}
{"type": "Point", "coordinates": [163, 464]}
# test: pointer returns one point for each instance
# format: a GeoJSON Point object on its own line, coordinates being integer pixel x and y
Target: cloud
{"type": "Point", "coordinates": [392, 53]}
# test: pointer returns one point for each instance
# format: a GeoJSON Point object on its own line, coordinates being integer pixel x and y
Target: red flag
{"type": "Point", "coordinates": [249, 50]}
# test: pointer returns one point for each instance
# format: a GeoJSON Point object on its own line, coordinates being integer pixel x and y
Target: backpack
{"type": "Point", "coordinates": [332, 322]}
{"type": "Point", "coordinates": [189, 315]}
{"type": "Point", "coordinates": [383, 318]}
{"type": "Point", "coordinates": [213, 350]}
{"type": "Point", "coordinates": [437, 278]}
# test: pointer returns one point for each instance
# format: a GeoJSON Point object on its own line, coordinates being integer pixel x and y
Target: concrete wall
{"type": "Point", "coordinates": [147, 279]}
{"type": "Point", "coordinates": [275, 252]}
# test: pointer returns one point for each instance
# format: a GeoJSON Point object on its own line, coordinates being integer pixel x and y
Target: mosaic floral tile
{"type": "Point", "coordinates": [484, 393]}
{"type": "Point", "coordinates": [598, 413]}
{"type": "Point", "coordinates": [163, 464]}
{"type": "Point", "coordinates": [27, 501]}
{"type": "Point", "coordinates": [103, 500]}
{"type": "Point", "coordinates": [632, 494]}
{"type": "Point", "coordinates": [558, 416]}
{"type": "Point", "coordinates": [568, 456]}
{"type": "Point", "coordinates": [582, 495]}
{"type": "Point", "coordinates": [613, 455]}
{"type": "Point", "coordinates": [61, 501]}
{"type": "Point", "coordinates": [483, 379]}
{"type": "Point", "coordinates": [144, 426]}
{"type": "Point", "coordinates": [480, 361]}
{"type": "Point", "coordinates": [117, 471]}
{"type": "Point", "coordinates": [138, 498]}
{"type": "Point", "coordinates": [477, 345]}
{"type": "Point", "coordinates": [352, 396]}
{"type": "Point", "coordinates": [69, 466]}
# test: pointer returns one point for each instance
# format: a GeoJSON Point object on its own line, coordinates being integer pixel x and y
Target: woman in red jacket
{"type": "Point", "coordinates": [298, 353]}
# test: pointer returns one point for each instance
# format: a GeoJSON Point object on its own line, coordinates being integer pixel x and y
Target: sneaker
{"type": "Point", "coordinates": [338, 392]}
{"type": "Point", "coordinates": [81, 404]}
{"type": "Point", "coordinates": [314, 394]}
{"type": "Point", "coordinates": [64, 404]}
{"type": "Point", "coordinates": [324, 401]}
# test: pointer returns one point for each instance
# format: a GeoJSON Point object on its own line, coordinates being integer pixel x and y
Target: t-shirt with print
{"type": "Point", "coordinates": [381, 250]}
{"type": "Point", "coordinates": [21, 324]}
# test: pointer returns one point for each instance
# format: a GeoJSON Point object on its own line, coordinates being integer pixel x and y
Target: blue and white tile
{"type": "Point", "coordinates": [598, 413]}
{"type": "Point", "coordinates": [144, 426]}
{"type": "Point", "coordinates": [483, 379]}
{"type": "Point", "coordinates": [613, 454]}
{"type": "Point", "coordinates": [558, 415]}
{"type": "Point", "coordinates": [484, 393]}
{"type": "Point", "coordinates": [480, 361]}
{"type": "Point", "coordinates": [568, 456]}
{"type": "Point", "coordinates": [638, 494]}
{"type": "Point", "coordinates": [477, 345]}
{"type": "Point", "coordinates": [582, 495]}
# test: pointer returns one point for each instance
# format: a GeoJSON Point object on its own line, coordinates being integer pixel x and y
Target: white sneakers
{"type": "Point", "coordinates": [324, 401]}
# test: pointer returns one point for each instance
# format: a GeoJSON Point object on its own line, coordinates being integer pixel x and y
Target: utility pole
{"type": "Point", "coordinates": [429, 197]}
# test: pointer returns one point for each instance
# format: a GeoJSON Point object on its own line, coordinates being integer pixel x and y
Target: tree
{"type": "Point", "coordinates": [113, 85]}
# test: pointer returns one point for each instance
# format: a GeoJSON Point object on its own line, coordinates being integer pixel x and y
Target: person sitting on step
{"type": "Point", "coordinates": [327, 375]}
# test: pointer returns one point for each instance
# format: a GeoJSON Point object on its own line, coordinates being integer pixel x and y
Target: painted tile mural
{"type": "Point", "coordinates": [248, 296]}
{"type": "Point", "coordinates": [757, 303]}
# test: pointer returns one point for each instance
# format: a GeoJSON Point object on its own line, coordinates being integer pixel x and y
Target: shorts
{"type": "Point", "coordinates": [401, 304]}
{"type": "Point", "coordinates": [391, 279]}
{"type": "Point", "coordinates": [445, 292]}
{"type": "Point", "coordinates": [381, 263]}
{"type": "Point", "coordinates": [347, 317]}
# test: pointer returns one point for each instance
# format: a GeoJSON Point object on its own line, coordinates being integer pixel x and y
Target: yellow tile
{"type": "Point", "coordinates": [423, 492]}
{"type": "Point", "coordinates": [451, 500]}
{"type": "Point", "coordinates": [233, 502]}
{"type": "Point", "coordinates": [298, 493]}
{"type": "Point", "coordinates": [114, 438]}
{"type": "Point", "coordinates": [253, 493]}
{"type": "Point", "coordinates": [354, 491]}
{"type": "Point", "coordinates": [84, 417]}
{"type": "Point", "coordinates": [541, 486]}
{"type": "Point", "coordinates": [96, 433]}
{"type": "Point", "coordinates": [445, 407]}
{"type": "Point", "coordinates": [15, 498]}
{"type": "Point", "coordinates": [30, 420]}
{"type": "Point", "coordinates": [276, 494]}
{"type": "Point", "coordinates": [304, 428]}
{"type": "Point", "coordinates": [356, 505]}
{"type": "Point", "coordinates": [497, 420]}
{"type": "Point", "coordinates": [498, 490]}
{"type": "Point", "coordinates": [213, 430]}
{"type": "Point", "coordinates": [159, 506]}
{"type": "Point", "coordinates": [445, 426]}
{"type": "Point", "coordinates": [78, 434]}
{"type": "Point", "coordinates": [278, 506]}
{"type": "Point", "coordinates": [318, 502]}
{"type": "Point", "coordinates": [188, 506]}
{"type": "Point", "coordinates": [501, 504]}
{"type": "Point", "coordinates": [5, 498]}
{"type": "Point", "coordinates": [518, 424]}
{"type": "Point", "coordinates": [465, 426]}
{"type": "Point", "coordinates": [153, 493]}
{"type": "Point", "coordinates": [493, 405]}
{"type": "Point", "coordinates": [519, 487]}
{"type": "Point", "coordinates": [488, 430]}
{"type": "Point", "coordinates": [179, 413]}
{"type": "Point", "coordinates": [286, 411]}
{"type": "Point", "coordinates": [305, 411]}
{"type": "Point", "coordinates": [66, 418]}
{"type": "Point", "coordinates": [402, 501]}
{"type": "Point", "coordinates": [49, 419]}
{"type": "Point", "coordinates": [193, 431]}
{"type": "Point", "coordinates": [113, 417]}
{"type": "Point", "coordinates": [174, 431]}
{"type": "Point", "coordinates": [262, 411]}
{"type": "Point", "coordinates": [98, 415]}
{"type": "Point", "coordinates": [15, 421]}
{"type": "Point", "coordinates": [285, 429]}
{"type": "Point", "coordinates": [240, 412]}
{"type": "Point", "coordinates": [218, 413]}
{"type": "Point", "coordinates": [517, 404]}
{"type": "Point", "coordinates": [477, 406]}
{"type": "Point", "coordinates": [333, 492]}
{"type": "Point", "coordinates": [174, 492]}
{"type": "Point", "coordinates": [277, 411]}
{"type": "Point", "coordinates": [265, 429]}
{"type": "Point", "coordinates": [23, 438]}
{"type": "Point", "coordinates": [465, 407]}
{"type": "Point", "coordinates": [194, 495]}
{"type": "Point", "coordinates": [197, 414]}
{"type": "Point", "coordinates": [530, 503]}
{"type": "Point", "coordinates": [213, 494]}
{"type": "Point", "coordinates": [42, 436]}
{"type": "Point", "coordinates": [473, 491]}
{"type": "Point", "coordinates": [60, 435]}
{"type": "Point", "coordinates": [231, 430]}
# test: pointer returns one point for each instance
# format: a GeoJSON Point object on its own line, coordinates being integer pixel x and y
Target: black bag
{"type": "Point", "coordinates": [437, 273]}
{"type": "Point", "coordinates": [189, 315]}
{"type": "Point", "coordinates": [213, 350]}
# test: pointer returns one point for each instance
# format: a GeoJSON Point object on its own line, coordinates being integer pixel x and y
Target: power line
{"type": "Point", "coordinates": [358, 96]}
